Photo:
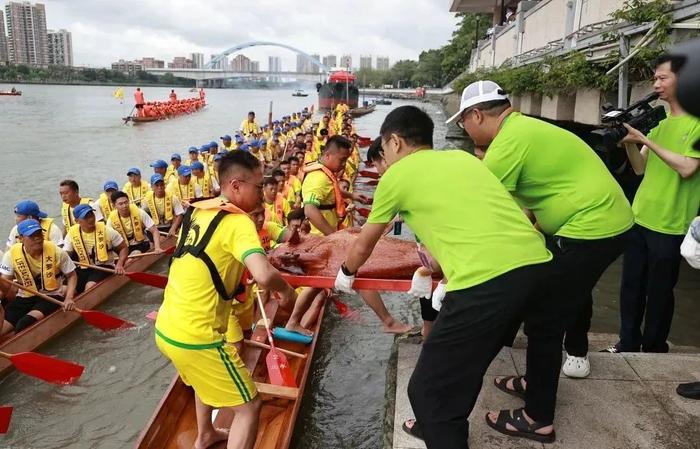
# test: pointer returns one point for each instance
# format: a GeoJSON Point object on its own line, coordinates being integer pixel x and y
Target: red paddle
{"type": "Point", "coordinates": [154, 280]}
{"type": "Point", "coordinates": [49, 369]}
{"type": "Point", "coordinates": [100, 320]}
{"type": "Point", "coordinates": [363, 211]}
{"type": "Point", "coordinates": [152, 315]}
{"type": "Point", "coordinates": [5, 417]}
{"type": "Point", "coordinates": [277, 365]}
{"type": "Point", "coordinates": [369, 174]}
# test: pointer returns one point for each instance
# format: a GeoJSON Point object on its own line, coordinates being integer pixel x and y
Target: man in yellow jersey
{"type": "Point", "coordinates": [217, 242]}
{"type": "Point", "coordinates": [208, 184]}
{"type": "Point", "coordinates": [163, 207]}
{"type": "Point", "coordinates": [275, 205]}
{"type": "Point", "coordinates": [29, 209]}
{"type": "Point", "coordinates": [135, 189]}
{"type": "Point", "coordinates": [497, 267]}
{"type": "Point", "coordinates": [184, 187]}
{"type": "Point", "coordinates": [132, 223]}
{"type": "Point", "coordinates": [171, 173]}
{"type": "Point", "coordinates": [70, 195]}
{"type": "Point", "coordinates": [40, 265]}
{"type": "Point", "coordinates": [104, 202]}
{"type": "Point", "coordinates": [577, 204]}
{"type": "Point", "coordinates": [91, 242]}
{"type": "Point", "coordinates": [249, 126]}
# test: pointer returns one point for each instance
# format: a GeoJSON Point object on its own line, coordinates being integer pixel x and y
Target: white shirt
{"type": "Point", "coordinates": [65, 266]}
{"type": "Point", "coordinates": [177, 206]}
{"type": "Point", "coordinates": [115, 239]}
{"type": "Point", "coordinates": [55, 235]}
{"type": "Point", "coordinates": [146, 220]}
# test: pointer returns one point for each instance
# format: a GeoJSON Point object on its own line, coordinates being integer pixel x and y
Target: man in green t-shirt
{"type": "Point", "coordinates": [575, 201]}
{"type": "Point", "coordinates": [664, 206]}
{"type": "Point", "coordinates": [497, 268]}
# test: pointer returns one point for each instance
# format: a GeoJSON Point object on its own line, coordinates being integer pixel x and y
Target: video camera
{"type": "Point", "coordinates": [641, 115]}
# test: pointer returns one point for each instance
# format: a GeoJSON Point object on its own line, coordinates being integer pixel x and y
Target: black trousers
{"type": "Point", "coordinates": [649, 274]}
{"type": "Point", "coordinates": [468, 333]}
{"type": "Point", "coordinates": [576, 269]}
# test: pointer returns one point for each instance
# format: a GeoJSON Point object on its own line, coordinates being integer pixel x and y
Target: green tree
{"type": "Point", "coordinates": [456, 54]}
{"type": "Point", "coordinates": [402, 72]}
{"type": "Point", "coordinates": [429, 69]}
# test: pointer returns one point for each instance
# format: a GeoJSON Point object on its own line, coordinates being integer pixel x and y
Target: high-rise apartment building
{"type": "Point", "coordinates": [254, 66]}
{"type": "Point", "coordinates": [241, 63]}
{"type": "Point", "coordinates": [152, 63]}
{"type": "Point", "coordinates": [3, 40]}
{"type": "Point", "coordinates": [330, 61]}
{"type": "Point", "coordinates": [180, 62]}
{"type": "Point", "coordinates": [197, 60]}
{"type": "Point", "coordinates": [60, 47]}
{"type": "Point", "coordinates": [346, 61]}
{"type": "Point", "coordinates": [382, 63]}
{"type": "Point", "coordinates": [127, 67]}
{"type": "Point", "coordinates": [366, 62]}
{"type": "Point", "coordinates": [274, 64]}
{"type": "Point", "coordinates": [27, 40]}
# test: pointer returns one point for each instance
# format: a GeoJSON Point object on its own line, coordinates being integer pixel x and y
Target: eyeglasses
{"type": "Point", "coordinates": [460, 122]}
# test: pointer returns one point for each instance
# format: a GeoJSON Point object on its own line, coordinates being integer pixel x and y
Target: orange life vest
{"type": "Point", "coordinates": [339, 200]}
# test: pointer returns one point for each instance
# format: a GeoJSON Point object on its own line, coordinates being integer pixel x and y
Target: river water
{"type": "Point", "coordinates": [56, 132]}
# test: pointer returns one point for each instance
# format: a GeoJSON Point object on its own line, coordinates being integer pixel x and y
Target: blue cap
{"type": "Point", "coordinates": [160, 163]}
{"type": "Point", "coordinates": [197, 165]}
{"type": "Point", "coordinates": [28, 227]}
{"type": "Point", "coordinates": [253, 143]}
{"type": "Point", "coordinates": [134, 171]}
{"type": "Point", "coordinates": [156, 177]}
{"type": "Point", "coordinates": [192, 150]}
{"type": "Point", "coordinates": [262, 141]}
{"type": "Point", "coordinates": [82, 210]}
{"type": "Point", "coordinates": [226, 137]}
{"type": "Point", "coordinates": [213, 144]}
{"type": "Point", "coordinates": [218, 156]}
{"type": "Point", "coordinates": [245, 147]}
{"type": "Point", "coordinates": [184, 170]}
{"type": "Point", "coordinates": [277, 132]}
{"type": "Point", "coordinates": [110, 185]}
{"type": "Point", "coordinates": [204, 149]}
{"type": "Point", "coordinates": [175, 156]}
{"type": "Point", "coordinates": [28, 207]}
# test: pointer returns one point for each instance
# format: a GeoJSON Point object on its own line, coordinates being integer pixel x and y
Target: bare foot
{"type": "Point", "coordinates": [392, 326]}
{"type": "Point", "coordinates": [209, 439]}
{"type": "Point", "coordinates": [546, 430]}
{"type": "Point", "coordinates": [298, 328]}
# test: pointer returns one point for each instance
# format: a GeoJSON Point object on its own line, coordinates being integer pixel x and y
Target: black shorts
{"type": "Point", "coordinates": [144, 247]}
{"type": "Point", "coordinates": [20, 306]}
{"type": "Point", "coordinates": [86, 275]}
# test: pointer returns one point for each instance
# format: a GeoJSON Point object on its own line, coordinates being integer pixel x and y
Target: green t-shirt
{"type": "Point", "coordinates": [559, 178]}
{"type": "Point", "coordinates": [461, 213]}
{"type": "Point", "coordinates": [665, 202]}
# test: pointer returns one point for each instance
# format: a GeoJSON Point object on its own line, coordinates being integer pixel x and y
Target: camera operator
{"type": "Point", "coordinates": [665, 204]}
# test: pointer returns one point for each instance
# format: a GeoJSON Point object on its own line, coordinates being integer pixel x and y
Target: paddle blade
{"type": "Point", "coordinates": [362, 211]}
{"type": "Point", "coordinates": [152, 315]}
{"type": "Point", "coordinates": [104, 321]}
{"type": "Point", "coordinates": [369, 174]}
{"type": "Point", "coordinates": [5, 417]}
{"type": "Point", "coordinates": [170, 251]}
{"type": "Point", "coordinates": [278, 369]}
{"type": "Point", "coordinates": [154, 280]}
{"type": "Point", "coordinates": [48, 369]}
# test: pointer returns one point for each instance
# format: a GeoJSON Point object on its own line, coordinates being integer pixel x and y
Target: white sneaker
{"type": "Point", "coordinates": [576, 367]}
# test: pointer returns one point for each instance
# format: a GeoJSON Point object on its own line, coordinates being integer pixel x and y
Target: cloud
{"type": "Point", "coordinates": [104, 31]}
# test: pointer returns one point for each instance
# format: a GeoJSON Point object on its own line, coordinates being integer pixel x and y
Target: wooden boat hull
{"type": "Point", "coordinates": [12, 94]}
{"type": "Point", "coordinates": [359, 112]}
{"type": "Point", "coordinates": [174, 426]}
{"type": "Point", "coordinates": [136, 119]}
{"type": "Point", "coordinates": [54, 324]}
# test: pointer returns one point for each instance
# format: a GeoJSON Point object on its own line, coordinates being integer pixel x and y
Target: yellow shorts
{"type": "Point", "coordinates": [215, 372]}
{"type": "Point", "coordinates": [241, 318]}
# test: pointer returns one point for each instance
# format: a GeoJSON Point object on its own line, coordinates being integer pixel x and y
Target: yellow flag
{"type": "Point", "coordinates": [118, 93]}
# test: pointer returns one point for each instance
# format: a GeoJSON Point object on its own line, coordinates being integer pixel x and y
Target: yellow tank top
{"type": "Point", "coordinates": [161, 209]}
{"type": "Point", "coordinates": [67, 212]}
{"type": "Point", "coordinates": [130, 228]}
{"type": "Point", "coordinates": [28, 270]}
{"type": "Point", "coordinates": [85, 244]}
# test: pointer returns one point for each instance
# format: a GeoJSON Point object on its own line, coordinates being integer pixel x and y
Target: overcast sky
{"type": "Point", "coordinates": [105, 31]}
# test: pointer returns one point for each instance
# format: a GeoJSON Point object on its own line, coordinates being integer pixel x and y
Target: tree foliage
{"type": "Point", "coordinates": [78, 75]}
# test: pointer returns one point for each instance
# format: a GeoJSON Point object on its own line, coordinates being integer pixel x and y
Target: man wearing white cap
{"type": "Point", "coordinates": [576, 203]}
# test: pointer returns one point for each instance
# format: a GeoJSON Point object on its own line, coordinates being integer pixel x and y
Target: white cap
{"type": "Point", "coordinates": [478, 92]}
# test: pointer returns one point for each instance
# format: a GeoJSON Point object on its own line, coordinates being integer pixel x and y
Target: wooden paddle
{"type": "Point", "coordinates": [100, 320]}
{"type": "Point", "coordinates": [166, 251]}
{"type": "Point", "coordinates": [128, 117]}
{"type": "Point", "coordinates": [154, 280]}
{"type": "Point", "coordinates": [277, 365]}
{"type": "Point", "coordinates": [5, 417]}
{"type": "Point", "coordinates": [283, 351]}
{"type": "Point", "coordinates": [369, 174]}
{"type": "Point", "coordinates": [48, 369]}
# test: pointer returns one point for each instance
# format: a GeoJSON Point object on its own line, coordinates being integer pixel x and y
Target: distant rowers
{"type": "Point", "coordinates": [163, 207]}
{"type": "Point", "coordinates": [91, 242]}
{"type": "Point", "coordinates": [138, 99]}
{"type": "Point", "coordinates": [173, 96]}
{"type": "Point", "coordinates": [184, 187]}
{"type": "Point", "coordinates": [135, 189]}
{"type": "Point", "coordinates": [208, 185]}
{"type": "Point", "coordinates": [171, 172]}
{"type": "Point", "coordinates": [29, 209]}
{"type": "Point", "coordinates": [132, 223]}
{"type": "Point", "coordinates": [249, 126]}
{"type": "Point", "coordinates": [40, 265]}
{"type": "Point", "coordinates": [104, 202]}
{"type": "Point", "coordinates": [226, 144]}
{"type": "Point", "coordinates": [70, 195]}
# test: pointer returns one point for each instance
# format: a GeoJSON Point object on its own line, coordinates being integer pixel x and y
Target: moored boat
{"type": "Point", "coordinates": [57, 322]}
{"type": "Point", "coordinates": [359, 112]}
{"type": "Point", "coordinates": [300, 93]}
{"type": "Point", "coordinates": [339, 88]}
{"type": "Point", "coordinates": [11, 93]}
{"type": "Point", "coordinates": [173, 424]}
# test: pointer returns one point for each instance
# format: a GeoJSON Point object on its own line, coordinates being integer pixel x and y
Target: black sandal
{"type": "Point", "coordinates": [414, 430]}
{"type": "Point", "coordinates": [523, 428]}
{"type": "Point", "coordinates": [518, 390]}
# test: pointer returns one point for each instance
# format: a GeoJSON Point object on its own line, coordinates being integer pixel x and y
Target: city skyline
{"type": "Point", "coordinates": [104, 32]}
